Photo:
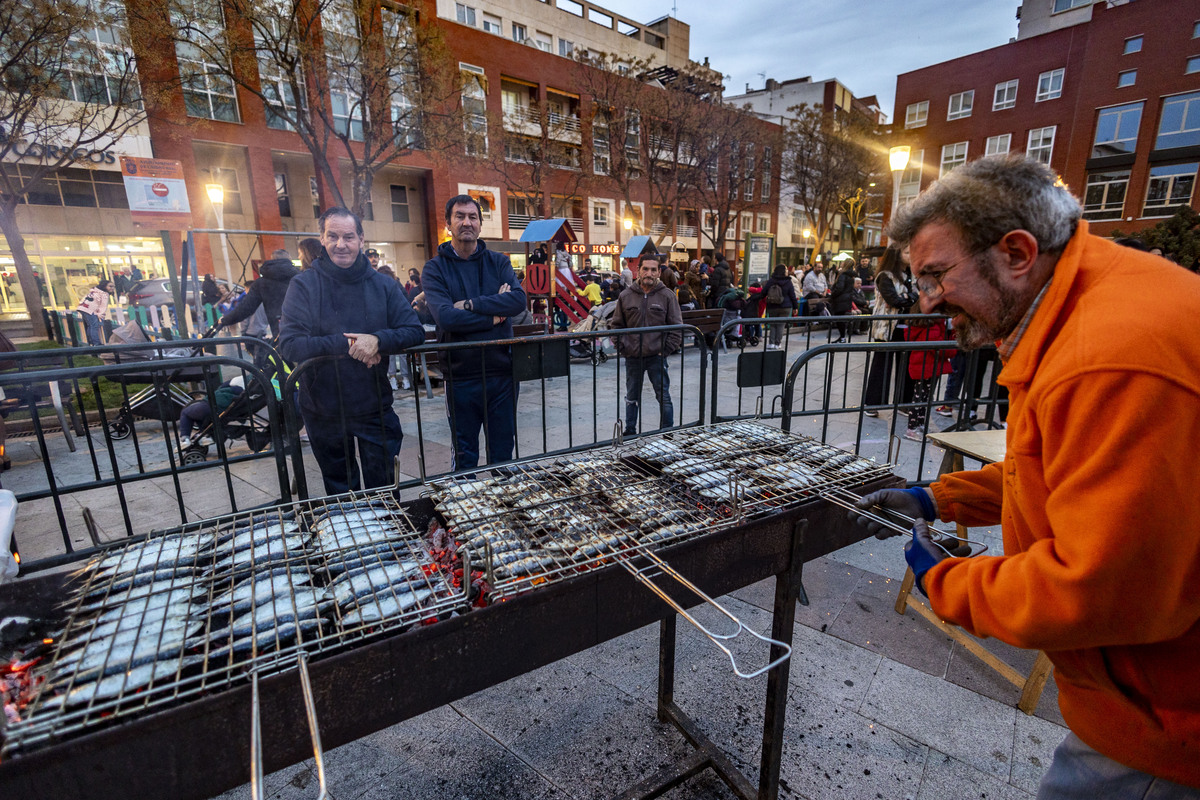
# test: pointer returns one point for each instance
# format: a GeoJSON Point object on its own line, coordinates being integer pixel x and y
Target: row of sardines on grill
{"type": "Point", "coordinates": [555, 513]}
{"type": "Point", "coordinates": [748, 463]}
{"type": "Point", "coordinates": [216, 597]}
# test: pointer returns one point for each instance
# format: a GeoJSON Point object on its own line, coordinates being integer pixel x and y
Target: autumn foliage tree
{"type": "Point", "coordinates": [67, 87]}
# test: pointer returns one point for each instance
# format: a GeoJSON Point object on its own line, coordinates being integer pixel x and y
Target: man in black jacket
{"type": "Point", "coordinates": [471, 292]}
{"type": "Point", "coordinates": [342, 307]}
{"type": "Point", "coordinates": [720, 281]}
{"type": "Point", "coordinates": [267, 291]}
{"type": "Point", "coordinates": [647, 304]}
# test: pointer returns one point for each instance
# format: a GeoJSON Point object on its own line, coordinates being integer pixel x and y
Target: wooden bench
{"type": "Point", "coordinates": [706, 320]}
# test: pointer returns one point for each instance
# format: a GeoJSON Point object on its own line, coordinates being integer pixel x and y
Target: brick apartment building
{"type": "Point", "coordinates": [1106, 93]}
{"type": "Point", "coordinates": [509, 52]}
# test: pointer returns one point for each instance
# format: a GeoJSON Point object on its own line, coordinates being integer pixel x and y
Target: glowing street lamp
{"type": "Point", "coordinates": [898, 160]}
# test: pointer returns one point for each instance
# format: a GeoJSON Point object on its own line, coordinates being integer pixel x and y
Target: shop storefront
{"type": "Point", "coordinates": [66, 267]}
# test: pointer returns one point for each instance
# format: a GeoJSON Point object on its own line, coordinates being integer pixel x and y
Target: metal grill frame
{"type": "Point", "coordinates": [381, 682]}
{"type": "Point", "coordinates": [39, 727]}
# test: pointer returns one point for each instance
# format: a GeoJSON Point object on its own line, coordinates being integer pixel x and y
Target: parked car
{"type": "Point", "coordinates": [157, 292]}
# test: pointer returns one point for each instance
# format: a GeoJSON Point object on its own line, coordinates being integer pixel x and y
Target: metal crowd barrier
{"type": "Point", "coordinates": [593, 411]}
{"type": "Point", "coordinates": [131, 472]}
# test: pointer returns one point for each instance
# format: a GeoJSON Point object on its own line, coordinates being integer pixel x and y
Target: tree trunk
{"type": "Point", "coordinates": [29, 286]}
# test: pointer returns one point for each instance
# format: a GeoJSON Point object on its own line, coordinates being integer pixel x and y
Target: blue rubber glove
{"type": "Point", "coordinates": [921, 553]}
{"type": "Point", "coordinates": [914, 503]}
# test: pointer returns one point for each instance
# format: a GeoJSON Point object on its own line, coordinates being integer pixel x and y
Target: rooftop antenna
{"type": "Point", "coordinates": [762, 75]}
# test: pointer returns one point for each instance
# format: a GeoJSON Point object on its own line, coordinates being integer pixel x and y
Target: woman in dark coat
{"type": "Point", "coordinates": [841, 297]}
{"type": "Point", "coordinates": [787, 294]}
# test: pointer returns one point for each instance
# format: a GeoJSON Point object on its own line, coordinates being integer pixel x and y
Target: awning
{"type": "Point", "coordinates": [548, 230]}
{"type": "Point", "coordinates": [481, 196]}
{"type": "Point", "coordinates": [638, 246]}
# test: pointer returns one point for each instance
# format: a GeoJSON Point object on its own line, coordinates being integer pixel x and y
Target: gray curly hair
{"type": "Point", "coordinates": [987, 198]}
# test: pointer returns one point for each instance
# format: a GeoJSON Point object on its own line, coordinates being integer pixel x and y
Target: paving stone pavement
{"type": "Point", "coordinates": [879, 705]}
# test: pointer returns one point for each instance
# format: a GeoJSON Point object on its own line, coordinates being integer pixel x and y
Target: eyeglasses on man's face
{"type": "Point", "coordinates": [929, 284]}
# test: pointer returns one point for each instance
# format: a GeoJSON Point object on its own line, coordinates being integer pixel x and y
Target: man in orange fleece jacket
{"type": "Point", "coordinates": [1097, 494]}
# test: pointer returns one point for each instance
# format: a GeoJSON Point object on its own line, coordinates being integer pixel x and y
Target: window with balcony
{"type": "Point", "coordinates": [601, 157]}
{"type": "Point", "coordinates": [1180, 123]}
{"type": "Point", "coordinates": [1104, 197]}
{"type": "Point", "coordinates": [520, 33]}
{"type": "Point", "coordinates": [474, 98]}
{"type": "Point", "coordinates": [916, 114]}
{"type": "Point", "coordinates": [1169, 187]}
{"type": "Point", "coordinates": [1050, 85]}
{"type": "Point", "coordinates": [953, 156]}
{"type": "Point", "coordinates": [543, 41]}
{"type": "Point", "coordinates": [1126, 78]}
{"type": "Point", "coordinates": [281, 194]}
{"type": "Point", "coordinates": [399, 203]}
{"type": "Point", "coordinates": [1005, 95]}
{"type": "Point", "coordinates": [1040, 145]}
{"type": "Point", "coordinates": [1117, 130]}
{"type": "Point", "coordinates": [464, 14]}
{"type": "Point", "coordinates": [998, 145]}
{"type": "Point", "coordinates": [960, 105]}
{"type": "Point", "coordinates": [1132, 45]}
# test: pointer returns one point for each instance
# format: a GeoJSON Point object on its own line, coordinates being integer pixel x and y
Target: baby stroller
{"type": "Point", "coordinates": [244, 418]}
{"type": "Point", "coordinates": [597, 319]}
{"type": "Point", "coordinates": [161, 400]}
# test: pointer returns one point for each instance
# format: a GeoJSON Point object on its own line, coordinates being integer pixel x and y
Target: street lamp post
{"type": "Point", "coordinates": [807, 236]}
{"type": "Point", "coordinates": [216, 195]}
{"type": "Point", "coordinates": [898, 161]}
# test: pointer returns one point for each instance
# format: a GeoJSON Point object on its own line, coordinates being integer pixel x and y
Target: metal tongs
{"type": "Point", "coordinates": [903, 524]}
{"type": "Point", "coordinates": [646, 575]}
{"type": "Point", "coordinates": [310, 709]}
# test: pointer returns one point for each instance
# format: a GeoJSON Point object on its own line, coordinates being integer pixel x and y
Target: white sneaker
{"type": "Point", "coordinates": [392, 381]}
{"type": "Point", "coordinates": [185, 443]}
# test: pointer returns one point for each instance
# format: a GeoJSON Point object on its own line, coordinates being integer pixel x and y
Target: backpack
{"type": "Point", "coordinates": [775, 295]}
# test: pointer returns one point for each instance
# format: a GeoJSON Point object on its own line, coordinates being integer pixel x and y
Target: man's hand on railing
{"type": "Point", "coordinates": [364, 347]}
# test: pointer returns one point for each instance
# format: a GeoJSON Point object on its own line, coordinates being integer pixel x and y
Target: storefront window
{"type": "Point", "coordinates": [67, 267]}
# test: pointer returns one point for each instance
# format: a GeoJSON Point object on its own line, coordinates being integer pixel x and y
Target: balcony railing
{"type": "Point", "coordinates": [515, 116]}
{"type": "Point", "coordinates": [517, 222]}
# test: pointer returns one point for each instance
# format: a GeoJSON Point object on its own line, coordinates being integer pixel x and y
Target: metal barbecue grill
{"type": "Point", "coordinates": [721, 503]}
{"type": "Point", "coordinates": [166, 666]}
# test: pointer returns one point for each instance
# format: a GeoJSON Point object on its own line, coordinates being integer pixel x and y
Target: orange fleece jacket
{"type": "Point", "coordinates": [1098, 502]}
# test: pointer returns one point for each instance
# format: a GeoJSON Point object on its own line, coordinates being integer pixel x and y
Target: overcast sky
{"type": "Point", "coordinates": [863, 43]}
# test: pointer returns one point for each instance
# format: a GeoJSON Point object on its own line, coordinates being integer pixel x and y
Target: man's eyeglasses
{"type": "Point", "coordinates": [930, 283]}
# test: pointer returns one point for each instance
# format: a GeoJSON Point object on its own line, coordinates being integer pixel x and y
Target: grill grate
{"type": "Point", "coordinates": [189, 611]}
{"type": "Point", "coordinates": [542, 521]}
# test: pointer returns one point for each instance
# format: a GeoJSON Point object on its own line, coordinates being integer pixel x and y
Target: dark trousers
{"type": "Point", "coordinates": [333, 444]}
{"type": "Point", "coordinates": [476, 404]}
{"type": "Point", "coordinates": [194, 415]}
{"type": "Point", "coordinates": [879, 375]}
{"type": "Point", "coordinates": [660, 379]}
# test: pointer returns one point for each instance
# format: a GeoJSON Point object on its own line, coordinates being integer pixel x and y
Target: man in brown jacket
{"type": "Point", "coordinates": [645, 305]}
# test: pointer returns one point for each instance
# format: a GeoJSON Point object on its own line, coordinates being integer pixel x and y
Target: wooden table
{"type": "Point", "coordinates": [986, 447]}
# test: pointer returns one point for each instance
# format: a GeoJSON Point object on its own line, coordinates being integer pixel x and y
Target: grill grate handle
{"type": "Point", "coordinates": [310, 710]}
{"type": "Point", "coordinates": [888, 519]}
{"type": "Point", "coordinates": [256, 765]}
{"type": "Point", "coordinates": [657, 568]}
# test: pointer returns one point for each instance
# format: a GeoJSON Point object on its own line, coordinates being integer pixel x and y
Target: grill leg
{"type": "Point", "coordinates": [666, 667]}
{"type": "Point", "coordinates": [783, 619]}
